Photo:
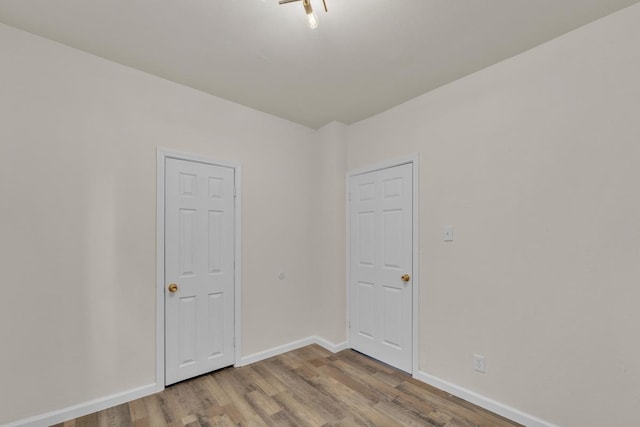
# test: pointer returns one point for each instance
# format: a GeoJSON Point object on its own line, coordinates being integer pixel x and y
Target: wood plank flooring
{"type": "Point", "coordinates": [308, 387]}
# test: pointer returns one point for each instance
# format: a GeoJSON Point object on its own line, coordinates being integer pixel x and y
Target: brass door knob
{"type": "Point", "coordinates": [405, 278]}
{"type": "Point", "coordinates": [173, 287]}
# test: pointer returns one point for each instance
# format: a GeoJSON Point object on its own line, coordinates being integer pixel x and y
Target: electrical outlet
{"type": "Point", "coordinates": [478, 363]}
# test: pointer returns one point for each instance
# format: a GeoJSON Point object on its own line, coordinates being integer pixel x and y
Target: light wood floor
{"type": "Point", "coordinates": [305, 387]}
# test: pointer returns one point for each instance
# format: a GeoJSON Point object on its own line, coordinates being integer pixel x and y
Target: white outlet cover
{"type": "Point", "coordinates": [479, 364]}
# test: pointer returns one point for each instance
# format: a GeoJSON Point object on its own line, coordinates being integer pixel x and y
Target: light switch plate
{"type": "Point", "coordinates": [447, 233]}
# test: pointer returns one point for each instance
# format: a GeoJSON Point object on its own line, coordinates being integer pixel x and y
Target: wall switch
{"type": "Point", "coordinates": [478, 363]}
{"type": "Point", "coordinates": [447, 233]}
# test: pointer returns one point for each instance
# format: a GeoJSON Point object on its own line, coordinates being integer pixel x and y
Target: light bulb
{"type": "Point", "coordinates": [313, 20]}
{"type": "Point", "coordinates": [311, 17]}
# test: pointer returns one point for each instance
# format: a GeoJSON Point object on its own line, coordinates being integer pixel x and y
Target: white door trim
{"type": "Point", "coordinates": [163, 154]}
{"type": "Point", "coordinates": [415, 161]}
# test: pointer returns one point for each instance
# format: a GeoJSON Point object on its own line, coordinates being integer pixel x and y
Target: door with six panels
{"type": "Point", "coordinates": [381, 264]}
{"type": "Point", "coordinates": [199, 268]}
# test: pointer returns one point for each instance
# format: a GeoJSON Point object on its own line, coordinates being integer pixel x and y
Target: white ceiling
{"type": "Point", "coordinates": [366, 56]}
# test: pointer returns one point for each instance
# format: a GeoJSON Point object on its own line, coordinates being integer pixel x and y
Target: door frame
{"type": "Point", "coordinates": [162, 155]}
{"type": "Point", "coordinates": [413, 159]}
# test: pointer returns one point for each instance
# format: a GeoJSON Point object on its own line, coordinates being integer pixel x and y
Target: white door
{"type": "Point", "coordinates": [381, 234]}
{"type": "Point", "coordinates": [199, 268]}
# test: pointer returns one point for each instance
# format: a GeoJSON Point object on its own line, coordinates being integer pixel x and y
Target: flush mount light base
{"type": "Point", "coordinates": [311, 17]}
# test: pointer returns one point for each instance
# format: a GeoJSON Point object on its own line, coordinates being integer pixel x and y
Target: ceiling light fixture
{"type": "Point", "coordinates": [311, 17]}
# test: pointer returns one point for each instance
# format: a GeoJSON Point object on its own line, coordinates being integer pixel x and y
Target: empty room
{"type": "Point", "coordinates": [320, 213]}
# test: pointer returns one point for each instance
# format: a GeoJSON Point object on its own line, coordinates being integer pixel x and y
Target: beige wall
{"type": "Point", "coordinates": [535, 162]}
{"type": "Point", "coordinates": [78, 138]}
{"type": "Point", "coordinates": [328, 232]}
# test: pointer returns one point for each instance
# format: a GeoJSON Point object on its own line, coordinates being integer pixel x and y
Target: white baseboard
{"type": "Point", "coordinates": [333, 348]}
{"type": "Point", "coordinates": [275, 351]}
{"type": "Point", "coordinates": [85, 408]}
{"type": "Point", "coordinates": [482, 401]}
